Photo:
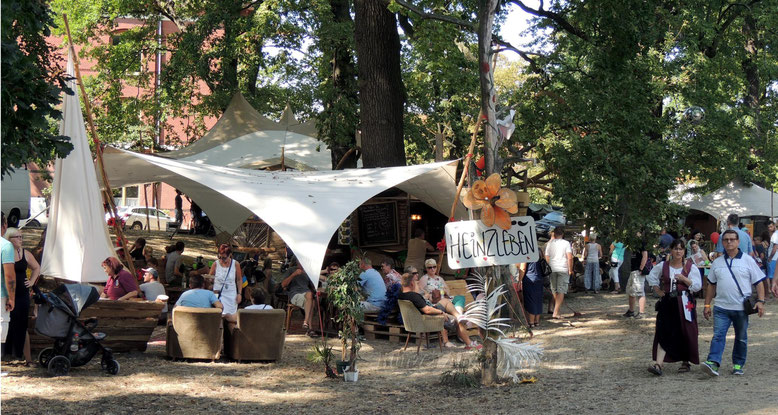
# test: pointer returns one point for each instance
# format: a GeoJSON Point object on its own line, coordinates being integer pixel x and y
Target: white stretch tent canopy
{"type": "Point", "coordinates": [77, 239]}
{"type": "Point", "coordinates": [735, 197]}
{"type": "Point", "coordinates": [244, 138]}
{"type": "Point", "coordinates": [304, 208]}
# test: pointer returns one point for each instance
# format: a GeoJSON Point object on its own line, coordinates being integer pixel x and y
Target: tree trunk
{"type": "Point", "coordinates": [492, 159]}
{"type": "Point", "coordinates": [381, 90]}
{"type": "Point", "coordinates": [344, 89]}
{"type": "Point", "coordinates": [753, 89]}
{"type": "Point", "coordinates": [488, 93]}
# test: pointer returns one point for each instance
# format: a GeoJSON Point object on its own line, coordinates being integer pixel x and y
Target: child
{"type": "Point", "coordinates": [258, 298]}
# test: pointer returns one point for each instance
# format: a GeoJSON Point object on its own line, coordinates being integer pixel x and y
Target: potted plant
{"type": "Point", "coordinates": [343, 294]}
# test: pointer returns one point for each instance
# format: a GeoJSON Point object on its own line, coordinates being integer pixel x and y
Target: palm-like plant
{"type": "Point", "coordinates": [483, 312]}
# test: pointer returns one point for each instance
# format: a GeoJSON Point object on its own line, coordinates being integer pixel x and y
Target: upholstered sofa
{"type": "Point", "coordinates": [258, 335]}
{"type": "Point", "coordinates": [195, 333]}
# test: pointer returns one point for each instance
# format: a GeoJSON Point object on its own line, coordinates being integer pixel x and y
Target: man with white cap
{"type": "Point", "coordinates": [152, 289]}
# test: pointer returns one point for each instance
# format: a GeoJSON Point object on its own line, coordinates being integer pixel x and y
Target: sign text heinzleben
{"type": "Point", "coordinates": [472, 244]}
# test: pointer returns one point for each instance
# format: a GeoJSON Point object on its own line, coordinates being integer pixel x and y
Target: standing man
{"type": "Point", "coordinates": [745, 240]}
{"type": "Point", "coordinates": [559, 255]}
{"type": "Point", "coordinates": [7, 282]}
{"type": "Point", "coordinates": [772, 256]}
{"type": "Point", "coordinates": [591, 255]}
{"type": "Point", "coordinates": [173, 273]}
{"type": "Point", "coordinates": [731, 277]}
{"type": "Point", "coordinates": [179, 204]}
{"type": "Point", "coordinates": [373, 285]}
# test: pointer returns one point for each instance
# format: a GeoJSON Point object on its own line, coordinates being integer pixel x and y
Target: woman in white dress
{"type": "Point", "coordinates": [227, 278]}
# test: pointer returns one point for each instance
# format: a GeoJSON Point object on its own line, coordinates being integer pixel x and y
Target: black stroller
{"type": "Point", "coordinates": [74, 342]}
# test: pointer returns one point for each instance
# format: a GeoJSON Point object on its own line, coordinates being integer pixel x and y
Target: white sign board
{"type": "Point", "coordinates": [471, 244]}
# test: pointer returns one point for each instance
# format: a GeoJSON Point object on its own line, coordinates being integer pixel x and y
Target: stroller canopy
{"type": "Point", "coordinates": [77, 296]}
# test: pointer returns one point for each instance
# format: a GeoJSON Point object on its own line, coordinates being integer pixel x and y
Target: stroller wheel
{"type": "Point", "coordinates": [45, 355]}
{"type": "Point", "coordinates": [112, 367]}
{"type": "Point", "coordinates": [59, 366]}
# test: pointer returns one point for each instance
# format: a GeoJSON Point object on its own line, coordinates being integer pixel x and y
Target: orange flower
{"type": "Point", "coordinates": [496, 203]}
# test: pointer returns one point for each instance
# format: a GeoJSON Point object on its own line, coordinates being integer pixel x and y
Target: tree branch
{"type": "Point", "coordinates": [554, 17]}
{"type": "Point", "coordinates": [524, 54]}
{"type": "Point", "coordinates": [434, 16]}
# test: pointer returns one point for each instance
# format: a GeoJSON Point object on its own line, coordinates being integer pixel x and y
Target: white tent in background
{"type": "Point", "coordinates": [77, 239]}
{"type": "Point", "coordinates": [304, 208]}
{"type": "Point", "coordinates": [735, 197]}
{"type": "Point", "coordinates": [244, 138]}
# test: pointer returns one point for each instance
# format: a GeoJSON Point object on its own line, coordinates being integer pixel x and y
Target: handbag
{"type": "Point", "coordinates": [749, 303]}
{"type": "Point", "coordinates": [224, 284]}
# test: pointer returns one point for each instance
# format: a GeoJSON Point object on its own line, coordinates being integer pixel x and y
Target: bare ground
{"type": "Point", "coordinates": [593, 364]}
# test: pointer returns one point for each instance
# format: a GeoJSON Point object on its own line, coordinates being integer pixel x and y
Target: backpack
{"type": "Point", "coordinates": [545, 269]}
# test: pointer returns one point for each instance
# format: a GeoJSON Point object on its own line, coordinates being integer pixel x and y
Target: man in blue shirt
{"type": "Point", "coordinates": [745, 240]}
{"type": "Point", "coordinates": [196, 296]}
{"type": "Point", "coordinates": [373, 285]}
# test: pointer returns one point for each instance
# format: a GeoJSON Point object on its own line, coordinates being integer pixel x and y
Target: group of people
{"type": "Point", "coordinates": [733, 282]}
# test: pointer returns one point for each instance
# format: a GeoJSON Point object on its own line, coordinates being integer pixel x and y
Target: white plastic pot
{"type": "Point", "coordinates": [351, 376]}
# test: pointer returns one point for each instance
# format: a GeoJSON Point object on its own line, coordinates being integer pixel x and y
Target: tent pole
{"type": "Point", "coordinates": [469, 156]}
{"type": "Point", "coordinates": [99, 153]}
{"type": "Point", "coordinates": [146, 202]}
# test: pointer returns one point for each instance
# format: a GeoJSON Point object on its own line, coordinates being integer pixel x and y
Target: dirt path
{"type": "Point", "coordinates": [593, 364]}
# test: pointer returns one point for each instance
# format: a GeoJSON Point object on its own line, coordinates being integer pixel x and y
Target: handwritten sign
{"type": "Point", "coordinates": [472, 244]}
{"type": "Point", "coordinates": [378, 224]}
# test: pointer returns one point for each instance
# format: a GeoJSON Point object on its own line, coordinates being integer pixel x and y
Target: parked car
{"type": "Point", "coordinates": [544, 226]}
{"type": "Point", "coordinates": [135, 218]}
{"type": "Point", "coordinates": [39, 214]}
{"type": "Point", "coordinates": [15, 196]}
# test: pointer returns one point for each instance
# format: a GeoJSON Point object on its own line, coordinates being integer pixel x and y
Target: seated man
{"type": "Point", "coordinates": [298, 287]}
{"type": "Point", "coordinates": [373, 285]}
{"type": "Point", "coordinates": [446, 311]}
{"type": "Point", "coordinates": [196, 296]}
{"type": "Point", "coordinates": [258, 300]}
{"type": "Point", "coordinates": [326, 272]}
{"type": "Point", "coordinates": [152, 289]}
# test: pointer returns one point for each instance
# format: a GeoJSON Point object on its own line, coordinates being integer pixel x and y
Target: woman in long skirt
{"type": "Point", "coordinates": [675, 338]}
{"type": "Point", "coordinates": [532, 289]}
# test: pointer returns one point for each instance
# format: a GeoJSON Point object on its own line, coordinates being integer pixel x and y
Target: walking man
{"type": "Point", "coordinates": [772, 256]}
{"type": "Point", "coordinates": [559, 255]}
{"type": "Point", "coordinates": [592, 254]}
{"type": "Point", "coordinates": [731, 277]}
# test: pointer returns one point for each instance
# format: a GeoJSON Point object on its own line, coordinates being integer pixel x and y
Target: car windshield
{"type": "Point", "coordinates": [554, 217]}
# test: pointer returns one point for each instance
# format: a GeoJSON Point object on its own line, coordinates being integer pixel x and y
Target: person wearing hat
{"type": "Point", "coordinates": [152, 289]}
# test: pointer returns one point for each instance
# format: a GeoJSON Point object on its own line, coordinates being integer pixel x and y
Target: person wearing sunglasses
{"type": "Point", "coordinates": [731, 277]}
{"type": "Point", "coordinates": [434, 287]}
{"type": "Point", "coordinates": [744, 240]}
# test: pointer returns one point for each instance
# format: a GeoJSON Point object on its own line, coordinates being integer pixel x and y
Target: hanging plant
{"type": "Point", "coordinates": [497, 203]}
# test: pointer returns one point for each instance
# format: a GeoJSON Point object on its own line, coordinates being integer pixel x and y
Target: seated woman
{"type": "Point", "coordinates": [258, 296]}
{"type": "Point", "coordinates": [120, 285]}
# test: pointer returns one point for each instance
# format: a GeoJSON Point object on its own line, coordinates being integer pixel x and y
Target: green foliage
{"type": "Point", "coordinates": [321, 353]}
{"type": "Point", "coordinates": [607, 107]}
{"type": "Point", "coordinates": [343, 294]}
{"type": "Point", "coordinates": [32, 82]}
{"type": "Point", "coordinates": [461, 375]}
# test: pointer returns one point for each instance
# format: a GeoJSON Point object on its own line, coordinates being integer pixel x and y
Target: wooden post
{"type": "Point", "coordinates": [462, 178]}
{"type": "Point", "coordinates": [99, 153]}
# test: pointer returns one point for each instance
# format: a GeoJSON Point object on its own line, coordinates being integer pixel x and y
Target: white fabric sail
{"type": "Point", "coordinates": [77, 239]}
{"type": "Point", "coordinates": [304, 208]}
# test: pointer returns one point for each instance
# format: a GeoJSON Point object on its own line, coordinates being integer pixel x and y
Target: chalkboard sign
{"type": "Point", "coordinates": [378, 224]}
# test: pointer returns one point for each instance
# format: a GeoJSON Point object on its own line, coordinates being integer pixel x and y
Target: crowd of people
{"type": "Point", "coordinates": [735, 278]}
{"type": "Point", "coordinates": [675, 270]}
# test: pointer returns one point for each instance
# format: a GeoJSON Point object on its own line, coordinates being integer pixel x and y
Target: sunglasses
{"type": "Point", "coordinates": [730, 240]}
{"type": "Point", "coordinates": [415, 273]}
{"type": "Point", "coordinates": [431, 267]}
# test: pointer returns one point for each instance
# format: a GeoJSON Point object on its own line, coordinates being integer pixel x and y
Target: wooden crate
{"type": "Point", "coordinates": [391, 331]}
{"type": "Point", "coordinates": [128, 325]}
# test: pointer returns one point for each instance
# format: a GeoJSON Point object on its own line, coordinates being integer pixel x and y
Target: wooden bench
{"type": "Point", "coordinates": [128, 325]}
{"type": "Point", "coordinates": [392, 331]}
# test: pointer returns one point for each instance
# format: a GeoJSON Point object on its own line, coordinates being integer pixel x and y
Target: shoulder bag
{"type": "Point", "coordinates": [749, 303]}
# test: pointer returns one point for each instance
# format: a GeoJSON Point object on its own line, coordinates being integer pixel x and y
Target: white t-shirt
{"type": "Point", "coordinates": [153, 289]}
{"type": "Point", "coordinates": [556, 251]}
{"type": "Point", "coordinates": [259, 307]}
{"type": "Point", "coordinates": [747, 272]}
{"type": "Point", "coordinates": [773, 243]}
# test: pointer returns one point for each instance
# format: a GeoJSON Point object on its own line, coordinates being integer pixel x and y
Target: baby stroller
{"type": "Point", "coordinates": [74, 342]}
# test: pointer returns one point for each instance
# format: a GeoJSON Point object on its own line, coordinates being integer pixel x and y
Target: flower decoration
{"type": "Point", "coordinates": [442, 244]}
{"type": "Point", "coordinates": [496, 202]}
